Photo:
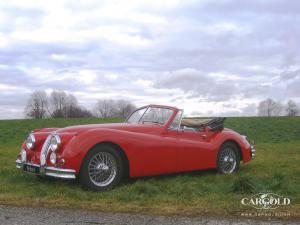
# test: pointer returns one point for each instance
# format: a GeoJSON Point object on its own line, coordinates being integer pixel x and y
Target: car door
{"type": "Point", "coordinates": [194, 150]}
{"type": "Point", "coordinates": [154, 152]}
{"type": "Point", "coordinates": [151, 153]}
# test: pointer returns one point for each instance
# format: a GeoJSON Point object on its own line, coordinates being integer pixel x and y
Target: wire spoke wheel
{"type": "Point", "coordinates": [102, 169]}
{"type": "Point", "coordinates": [227, 160]}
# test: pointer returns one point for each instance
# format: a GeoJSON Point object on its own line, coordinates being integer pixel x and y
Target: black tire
{"type": "Point", "coordinates": [234, 154]}
{"type": "Point", "coordinates": [84, 176]}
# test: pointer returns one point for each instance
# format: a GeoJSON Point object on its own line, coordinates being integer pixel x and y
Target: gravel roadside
{"type": "Point", "coordinates": [27, 215]}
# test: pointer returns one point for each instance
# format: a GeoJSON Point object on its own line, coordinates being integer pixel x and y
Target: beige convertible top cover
{"type": "Point", "coordinates": [194, 122]}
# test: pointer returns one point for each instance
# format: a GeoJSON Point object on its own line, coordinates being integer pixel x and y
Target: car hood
{"type": "Point", "coordinates": [143, 128]}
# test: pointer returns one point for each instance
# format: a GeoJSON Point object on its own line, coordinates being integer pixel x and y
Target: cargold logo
{"type": "Point", "coordinates": [266, 201]}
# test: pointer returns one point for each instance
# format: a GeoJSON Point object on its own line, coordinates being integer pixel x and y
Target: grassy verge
{"type": "Point", "coordinates": [276, 169]}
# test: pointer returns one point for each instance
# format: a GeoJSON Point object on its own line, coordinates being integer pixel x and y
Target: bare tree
{"type": "Point", "coordinates": [58, 104]}
{"type": "Point", "coordinates": [104, 108]}
{"type": "Point", "coordinates": [79, 112]}
{"type": "Point", "coordinates": [74, 110]}
{"type": "Point", "coordinates": [269, 107]}
{"type": "Point", "coordinates": [71, 106]}
{"type": "Point", "coordinates": [123, 108]}
{"type": "Point", "coordinates": [291, 108]}
{"type": "Point", "coordinates": [37, 105]}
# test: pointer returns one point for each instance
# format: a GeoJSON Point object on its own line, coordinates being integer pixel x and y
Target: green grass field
{"type": "Point", "coordinates": [276, 169]}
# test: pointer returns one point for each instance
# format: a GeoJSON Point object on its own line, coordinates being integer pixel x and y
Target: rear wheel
{"type": "Point", "coordinates": [102, 169]}
{"type": "Point", "coordinates": [228, 159]}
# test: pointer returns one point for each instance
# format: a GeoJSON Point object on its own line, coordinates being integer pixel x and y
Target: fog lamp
{"type": "Point", "coordinates": [23, 156]}
{"type": "Point", "coordinates": [53, 158]}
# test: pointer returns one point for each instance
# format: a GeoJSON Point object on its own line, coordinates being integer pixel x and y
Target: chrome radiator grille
{"type": "Point", "coordinates": [45, 150]}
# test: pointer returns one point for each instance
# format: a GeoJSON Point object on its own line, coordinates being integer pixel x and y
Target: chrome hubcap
{"type": "Point", "coordinates": [102, 169]}
{"type": "Point", "coordinates": [227, 160]}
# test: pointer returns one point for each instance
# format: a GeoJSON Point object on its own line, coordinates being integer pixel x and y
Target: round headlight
{"type": "Point", "coordinates": [55, 142]}
{"type": "Point", "coordinates": [30, 141]}
{"type": "Point", "coordinates": [53, 157]}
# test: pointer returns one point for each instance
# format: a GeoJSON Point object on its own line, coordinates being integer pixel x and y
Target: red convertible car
{"type": "Point", "coordinates": [153, 140]}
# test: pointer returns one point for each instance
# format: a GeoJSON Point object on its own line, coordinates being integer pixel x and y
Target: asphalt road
{"type": "Point", "coordinates": [26, 215]}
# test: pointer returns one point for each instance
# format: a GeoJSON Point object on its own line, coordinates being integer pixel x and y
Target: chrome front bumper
{"type": "Point", "coordinates": [47, 171]}
{"type": "Point", "coordinates": [253, 152]}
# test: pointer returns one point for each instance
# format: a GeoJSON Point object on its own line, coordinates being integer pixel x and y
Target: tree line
{"type": "Point", "coordinates": [270, 107]}
{"type": "Point", "coordinates": [59, 104]}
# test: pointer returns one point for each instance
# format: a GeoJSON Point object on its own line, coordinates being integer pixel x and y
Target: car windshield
{"type": "Point", "coordinates": [156, 115]}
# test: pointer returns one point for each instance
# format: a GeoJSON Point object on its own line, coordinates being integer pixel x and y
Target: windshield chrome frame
{"type": "Point", "coordinates": [181, 116]}
{"type": "Point", "coordinates": [145, 107]}
{"type": "Point", "coordinates": [151, 106]}
{"type": "Point", "coordinates": [143, 114]}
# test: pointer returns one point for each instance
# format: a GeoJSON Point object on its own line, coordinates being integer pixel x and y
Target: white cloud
{"type": "Point", "coordinates": [59, 57]}
{"type": "Point", "coordinates": [112, 77]}
{"type": "Point", "coordinates": [86, 76]}
{"type": "Point", "coordinates": [207, 57]}
{"type": "Point", "coordinates": [4, 42]}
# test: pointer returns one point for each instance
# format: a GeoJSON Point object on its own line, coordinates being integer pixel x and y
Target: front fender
{"type": "Point", "coordinates": [243, 144]}
{"type": "Point", "coordinates": [76, 150]}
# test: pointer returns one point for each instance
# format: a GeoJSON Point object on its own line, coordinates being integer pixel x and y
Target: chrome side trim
{"type": "Point", "coordinates": [50, 171]}
{"type": "Point", "coordinates": [60, 173]}
{"type": "Point", "coordinates": [20, 164]}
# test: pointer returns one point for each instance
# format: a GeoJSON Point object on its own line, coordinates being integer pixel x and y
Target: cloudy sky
{"type": "Point", "coordinates": [208, 57]}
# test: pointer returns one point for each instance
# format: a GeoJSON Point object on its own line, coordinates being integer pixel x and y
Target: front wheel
{"type": "Point", "coordinates": [228, 159]}
{"type": "Point", "coordinates": [102, 169]}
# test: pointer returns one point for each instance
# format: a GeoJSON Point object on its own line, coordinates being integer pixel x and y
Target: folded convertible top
{"type": "Point", "coordinates": [214, 124]}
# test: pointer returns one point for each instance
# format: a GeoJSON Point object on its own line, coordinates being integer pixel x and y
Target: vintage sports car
{"type": "Point", "coordinates": [153, 140]}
